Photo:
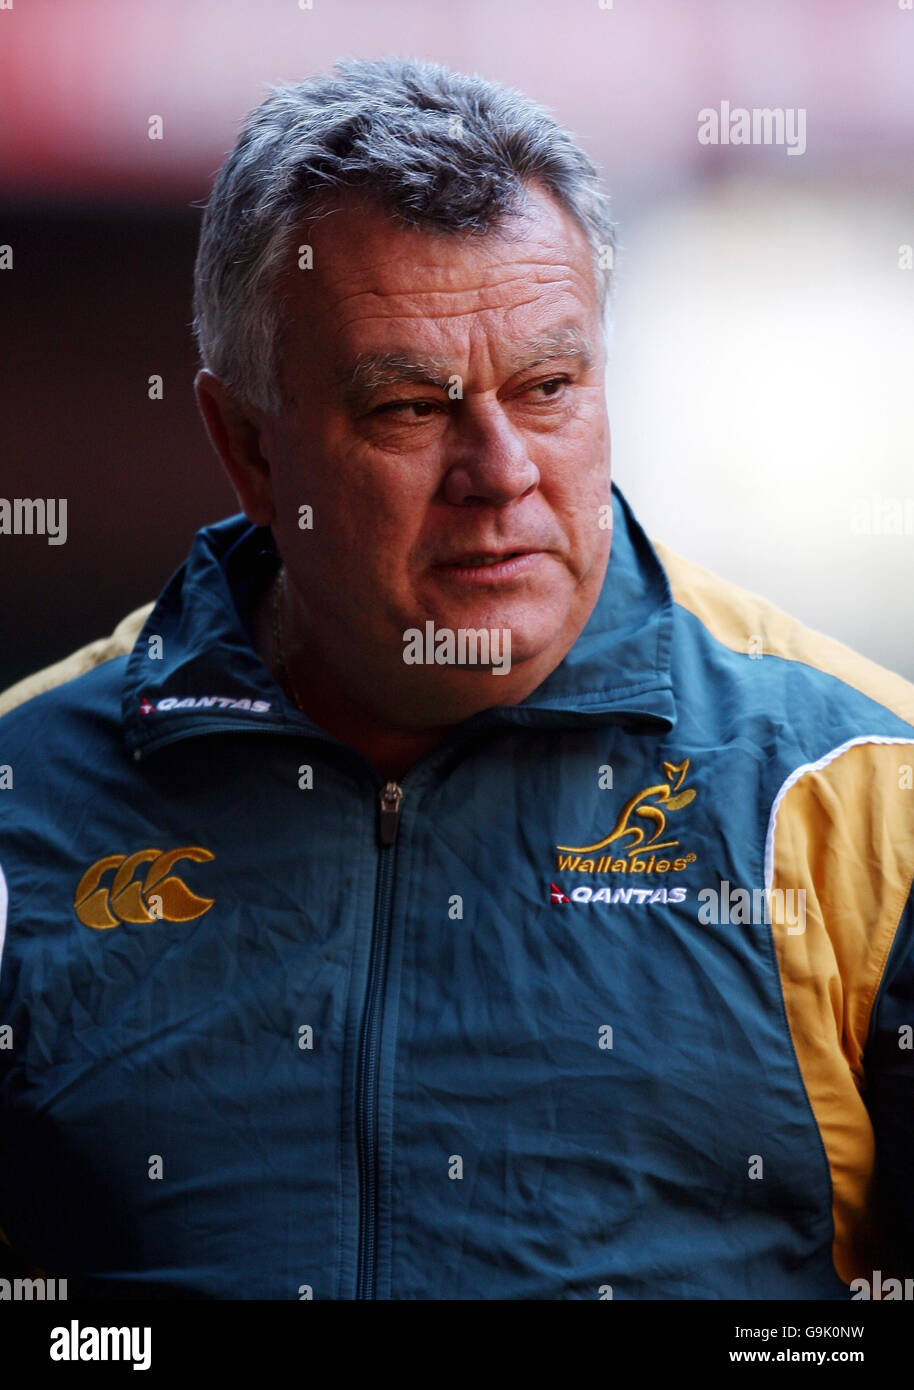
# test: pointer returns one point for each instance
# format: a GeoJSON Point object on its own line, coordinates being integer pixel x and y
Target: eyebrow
{"type": "Point", "coordinates": [373, 370]}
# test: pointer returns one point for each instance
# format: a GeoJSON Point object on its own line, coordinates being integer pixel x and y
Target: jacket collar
{"type": "Point", "coordinates": [194, 668]}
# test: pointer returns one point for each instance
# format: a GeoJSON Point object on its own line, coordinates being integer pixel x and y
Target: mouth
{"type": "Point", "coordinates": [477, 558]}
{"type": "Point", "coordinates": [489, 567]}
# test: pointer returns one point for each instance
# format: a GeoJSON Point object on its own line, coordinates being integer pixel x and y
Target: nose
{"type": "Point", "coordinates": [489, 460]}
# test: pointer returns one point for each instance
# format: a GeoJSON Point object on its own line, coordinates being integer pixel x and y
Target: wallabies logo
{"type": "Point", "coordinates": [639, 830]}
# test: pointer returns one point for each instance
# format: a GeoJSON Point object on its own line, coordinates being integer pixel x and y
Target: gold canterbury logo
{"type": "Point", "coordinates": [163, 897]}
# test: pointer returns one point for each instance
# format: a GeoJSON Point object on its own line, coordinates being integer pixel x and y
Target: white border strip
{"type": "Point", "coordinates": [801, 772]}
{"type": "Point", "coordinates": [4, 898]}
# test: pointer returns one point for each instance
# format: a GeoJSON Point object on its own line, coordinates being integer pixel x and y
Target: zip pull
{"type": "Point", "coordinates": [391, 795]}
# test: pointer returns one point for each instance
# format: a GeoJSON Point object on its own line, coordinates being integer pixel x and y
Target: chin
{"type": "Point", "coordinates": [529, 640]}
{"type": "Point", "coordinates": [534, 615]}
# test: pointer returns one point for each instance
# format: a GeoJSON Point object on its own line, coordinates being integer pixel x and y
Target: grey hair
{"type": "Point", "coordinates": [436, 149]}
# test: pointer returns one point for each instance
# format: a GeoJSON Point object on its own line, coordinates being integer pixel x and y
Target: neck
{"type": "Point", "coordinates": [392, 751]}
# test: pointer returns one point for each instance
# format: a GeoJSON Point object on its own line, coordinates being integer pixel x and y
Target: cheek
{"type": "Point", "coordinates": [575, 480]}
{"type": "Point", "coordinates": [383, 499]}
{"type": "Point", "coordinates": [365, 518]}
{"type": "Point", "coordinates": [578, 453]}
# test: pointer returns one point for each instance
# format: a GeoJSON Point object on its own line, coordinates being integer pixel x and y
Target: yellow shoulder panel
{"type": "Point", "coordinates": [77, 663]}
{"type": "Point", "coordinates": [843, 832]}
{"type": "Point", "coordinates": [746, 622]}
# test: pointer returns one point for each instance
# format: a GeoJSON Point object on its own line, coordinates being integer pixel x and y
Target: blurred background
{"type": "Point", "coordinates": [762, 377]}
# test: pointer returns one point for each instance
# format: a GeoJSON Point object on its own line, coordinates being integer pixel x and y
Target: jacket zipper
{"type": "Point", "coordinates": [390, 797]}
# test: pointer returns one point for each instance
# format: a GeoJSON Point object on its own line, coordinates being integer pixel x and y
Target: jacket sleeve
{"type": "Point", "coordinates": [121, 640]}
{"type": "Point", "coordinates": [889, 1094]}
{"type": "Point", "coordinates": [842, 834]}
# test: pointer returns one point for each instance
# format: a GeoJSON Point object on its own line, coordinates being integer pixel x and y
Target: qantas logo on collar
{"type": "Point", "coordinates": [172, 702]}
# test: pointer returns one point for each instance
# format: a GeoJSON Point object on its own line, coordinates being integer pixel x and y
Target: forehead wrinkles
{"type": "Point", "coordinates": [418, 292]}
{"type": "Point", "coordinates": [369, 272]}
{"type": "Point", "coordinates": [479, 332]}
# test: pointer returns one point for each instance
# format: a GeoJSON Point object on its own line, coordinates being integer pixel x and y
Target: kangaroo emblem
{"type": "Point", "coordinates": [650, 804]}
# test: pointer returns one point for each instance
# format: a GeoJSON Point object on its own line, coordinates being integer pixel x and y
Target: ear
{"type": "Point", "coordinates": [235, 431]}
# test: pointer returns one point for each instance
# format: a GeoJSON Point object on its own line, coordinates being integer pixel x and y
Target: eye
{"type": "Point", "coordinates": [551, 388]}
{"type": "Point", "coordinates": [422, 408]}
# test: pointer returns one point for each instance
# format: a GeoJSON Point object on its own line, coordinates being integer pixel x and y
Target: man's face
{"type": "Point", "coordinates": [445, 403]}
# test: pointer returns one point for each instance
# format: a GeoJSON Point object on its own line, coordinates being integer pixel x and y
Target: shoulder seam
{"type": "Point", "coordinates": [4, 902]}
{"type": "Point", "coordinates": [800, 772]}
{"type": "Point", "coordinates": [77, 663]}
{"type": "Point", "coordinates": [787, 638]}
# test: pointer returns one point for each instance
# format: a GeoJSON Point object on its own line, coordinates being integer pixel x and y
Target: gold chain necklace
{"type": "Point", "coordinates": [279, 645]}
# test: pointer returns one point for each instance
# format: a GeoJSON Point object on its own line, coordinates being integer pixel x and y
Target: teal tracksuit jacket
{"type": "Point", "coordinates": [611, 996]}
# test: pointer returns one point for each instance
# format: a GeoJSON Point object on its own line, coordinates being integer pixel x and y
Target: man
{"type": "Point", "coordinates": [441, 892]}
